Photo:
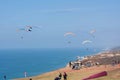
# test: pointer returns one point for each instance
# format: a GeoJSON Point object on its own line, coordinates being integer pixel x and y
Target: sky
{"type": "Point", "coordinates": [57, 17]}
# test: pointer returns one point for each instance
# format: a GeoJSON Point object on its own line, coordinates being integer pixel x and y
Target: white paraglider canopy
{"type": "Point", "coordinates": [86, 42]}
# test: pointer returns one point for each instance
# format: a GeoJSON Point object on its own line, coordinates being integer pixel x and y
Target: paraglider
{"type": "Point", "coordinates": [69, 36]}
{"type": "Point", "coordinates": [92, 32]}
{"type": "Point", "coordinates": [86, 42]}
{"type": "Point", "coordinates": [27, 29]}
{"type": "Point", "coordinates": [69, 33]}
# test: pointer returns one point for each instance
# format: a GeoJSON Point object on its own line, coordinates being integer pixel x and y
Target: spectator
{"type": "Point", "coordinates": [65, 76]}
{"type": "Point", "coordinates": [60, 75]}
{"type": "Point", "coordinates": [4, 77]}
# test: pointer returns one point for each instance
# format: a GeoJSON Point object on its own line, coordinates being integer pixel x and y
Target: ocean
{"type": "Point", "coordinates": [14, 63]}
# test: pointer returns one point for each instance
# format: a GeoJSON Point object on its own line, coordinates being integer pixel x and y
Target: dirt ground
{"type": "Point", "coordinates": [112, 71]}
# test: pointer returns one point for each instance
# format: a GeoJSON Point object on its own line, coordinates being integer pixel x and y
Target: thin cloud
{"type": "Point", "coordinates": [60, 10]}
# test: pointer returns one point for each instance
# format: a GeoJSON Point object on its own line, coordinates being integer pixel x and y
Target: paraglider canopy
{"type": "Point", "coordinates": [69, 33]}
{"type": "Point", "coordinates": [92, 31]}
{"type": "Point", "coordinates": [101, 74]}
{"type": "Point", "coordinates": [69, 36]}
{"type": "Point", "coordinates": [86, 42]}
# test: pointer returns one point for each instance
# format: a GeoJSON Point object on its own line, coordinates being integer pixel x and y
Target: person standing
{"type": "Point", "coordinates": [4, 77]}
{"type": "Point", "coordinates": [30, 78]}
{"type": "Point", "coordinates": [60, 75]}
{"type": "Point", "coordinates": [25, 74]}
{"type": "Point", "coordinates": [70, 64]}
{"type": "Point", "coordinates": [65, 76]}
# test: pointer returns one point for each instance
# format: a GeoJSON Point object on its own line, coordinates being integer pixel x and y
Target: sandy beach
{"type": "Point", "coordinates": [112, 71]}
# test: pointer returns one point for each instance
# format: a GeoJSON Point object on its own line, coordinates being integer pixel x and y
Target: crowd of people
{"type": "Point", "coordinates": [80, 63]}
{"type": "Point", "coordinates": [89, 61]}
{"type": "Point", "coordinates": [59, 77]}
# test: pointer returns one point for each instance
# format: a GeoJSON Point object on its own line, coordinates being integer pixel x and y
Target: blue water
{"type": "Point", "coordinates": [13, 63]}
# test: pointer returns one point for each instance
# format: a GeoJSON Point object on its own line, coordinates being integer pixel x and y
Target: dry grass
{"type": "Point", "coordinates": [113, 73]}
